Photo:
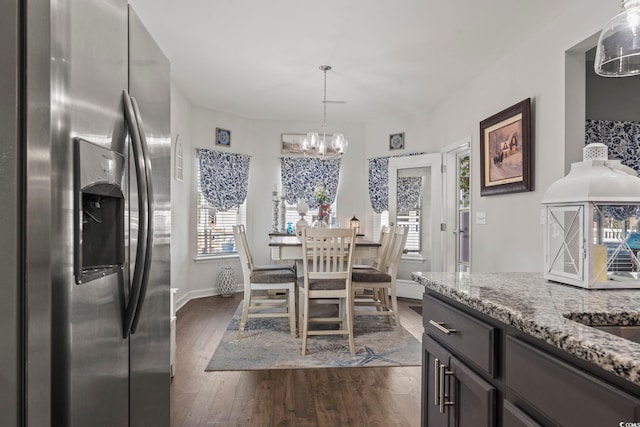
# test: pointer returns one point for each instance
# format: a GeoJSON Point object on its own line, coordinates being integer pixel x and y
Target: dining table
{"type": "Point", "coordinates": [289, 248]}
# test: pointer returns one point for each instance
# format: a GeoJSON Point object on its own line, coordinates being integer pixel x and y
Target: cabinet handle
{"type": "Point", "coordinates": [443, 373]}
{"type": "Point", "coordinates": [440, 326]}
{"type": "Point", "coordinates": [436, 382]}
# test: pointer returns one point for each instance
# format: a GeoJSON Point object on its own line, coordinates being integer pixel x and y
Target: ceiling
{"type": "Point", "coordinates": [260, 58]}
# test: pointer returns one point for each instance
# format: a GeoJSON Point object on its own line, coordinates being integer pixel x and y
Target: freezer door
{"type": "Point", "coordinates": [89, 357]}
{"type": "Point", "coordinates": [149, 85]}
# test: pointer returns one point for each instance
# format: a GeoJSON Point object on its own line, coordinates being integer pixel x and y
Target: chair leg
{"type": "Point", "coordinates": [396, 313]}
{"type": "Point", "coordinates": [245, 314]}
{"type": "Point", "coordinates": [305, 322]}
{"type": "Point", "coordinates": [291, 299]}
{"type": "Point", "coordinates": [349, 316]}
{"type": "Point", "coordinates": [300, 312]}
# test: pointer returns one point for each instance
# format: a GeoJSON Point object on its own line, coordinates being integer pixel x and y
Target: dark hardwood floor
{"type": "Point", "coordinates": [285, 397]}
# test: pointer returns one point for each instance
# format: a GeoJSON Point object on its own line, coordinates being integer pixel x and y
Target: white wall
{"type": "Point", "coordinates": [261, 140]}
{"type": "Point", "coordinates": [511, 240]}
{"type": "Point", "coordinates": [180, 193]}
{"type": "Point", "coordinates": [612, 98]}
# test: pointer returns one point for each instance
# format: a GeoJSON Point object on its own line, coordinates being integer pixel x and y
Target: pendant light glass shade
{"type": "Point", "coordinates": [618, 50]}
{"type": "Point", "coordinates": [339, 143]}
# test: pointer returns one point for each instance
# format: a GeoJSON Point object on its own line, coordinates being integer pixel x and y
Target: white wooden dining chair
{"type": "Point", "coordinates": [254, 267]}
{"type": "Point", "coordinates": [385, 239]}
{"type": "Point", "coordinates": [327, 268]}
{"type": "Point", "coordinates": [265, 278]}
{"type": "Point", "coordinates": [379, 281]}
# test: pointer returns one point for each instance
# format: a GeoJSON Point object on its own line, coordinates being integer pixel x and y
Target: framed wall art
{"type": "Point", "coordinates": [396, 141]}
{"type": "Point", "coordinates": [223, 137]}
{"type": "Point", "coordinates": [506, 151]}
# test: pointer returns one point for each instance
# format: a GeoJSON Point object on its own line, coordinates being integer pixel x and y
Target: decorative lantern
{"type": "Point", "coordinates": [592, 224]}
{"type": "Point", "coordinates": [355, 223]}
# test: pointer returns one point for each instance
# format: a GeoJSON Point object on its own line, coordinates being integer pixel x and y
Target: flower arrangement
{"type": "Point", "coordinates": [322, 197]}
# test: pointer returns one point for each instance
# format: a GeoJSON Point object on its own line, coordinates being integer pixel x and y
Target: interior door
{"type": "Point", "coordinates": [415, 201]}
{"type": "Point", "coordinates": [457, 206]}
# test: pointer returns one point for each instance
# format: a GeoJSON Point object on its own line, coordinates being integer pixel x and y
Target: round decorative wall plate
{"type": "Point", "coordinates": [396, 141]}
{"type": "Point", "coordinates": [223, 137]}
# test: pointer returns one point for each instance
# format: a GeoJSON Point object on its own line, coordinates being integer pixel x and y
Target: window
{"type": "Point", "coordinates": [379, 220]}
{"type": "Point", "coordinates": [412, 220]}
{"type": "Point", "coordinates": [409, 212]}
{"type": "Point", "coordinates": [214, 233]}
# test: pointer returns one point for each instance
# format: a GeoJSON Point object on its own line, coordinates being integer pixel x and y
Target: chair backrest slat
{"type": "Point", "coordinates": [385, 240]}
{"type": "Point", "coordinates": [396, 250]}
{"type": "Point", "coordinates": [243, 249]}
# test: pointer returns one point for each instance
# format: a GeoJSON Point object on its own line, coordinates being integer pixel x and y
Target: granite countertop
{"type": "Point", "coordinates": [540, 308]}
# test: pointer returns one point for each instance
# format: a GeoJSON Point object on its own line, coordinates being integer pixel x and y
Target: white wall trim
{"type": "Point", "coordinates": [405, 289]}
{"type": "Point", "coordinates": [201, 293]}
{"type": "Point", "coordinates": [409, 289]}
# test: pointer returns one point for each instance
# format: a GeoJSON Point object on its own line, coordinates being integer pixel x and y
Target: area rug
{"type": "Point", "coordinates": [266, 344]}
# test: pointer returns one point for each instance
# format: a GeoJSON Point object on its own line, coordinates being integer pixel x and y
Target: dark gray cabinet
{"type": "Point", "coordinates": [478, 371]}
{"type": "Point", "coordinates": [454, 395]}
{"type": "Point", "coordinates": [562, 393]}
{"type": "Point", "coordinates": [512, 416]}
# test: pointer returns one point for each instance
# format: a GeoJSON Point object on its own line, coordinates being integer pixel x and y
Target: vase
{"type": "Point", "coordinates": [319, 223]}
{"type": "Point", "coordinates": [226, 282]}
{"type": "Point", "coordinates": [323, 211]}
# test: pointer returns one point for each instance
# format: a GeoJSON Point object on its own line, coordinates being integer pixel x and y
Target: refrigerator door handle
{"type": "Point", "coordinates": [150, 217]}
{"type": "Point", "coordinates": [143, 214]}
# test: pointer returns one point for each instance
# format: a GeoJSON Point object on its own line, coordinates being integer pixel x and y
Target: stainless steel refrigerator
{"type": "Point", "coordinates": [84, 216]}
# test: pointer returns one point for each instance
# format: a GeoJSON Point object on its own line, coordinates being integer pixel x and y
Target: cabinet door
{"type": "Point", "coordinates": [565, 394]}
{"type": "Point", "coordinates": [433, 357]}
{"type": "Point", "coordinates": [512, 416]}
{"type": "Point", "coordinates": [473, 399]}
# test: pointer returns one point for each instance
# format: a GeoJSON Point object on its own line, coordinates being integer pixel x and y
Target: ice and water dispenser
{"type": "Point", "coordinates": [98, 211]}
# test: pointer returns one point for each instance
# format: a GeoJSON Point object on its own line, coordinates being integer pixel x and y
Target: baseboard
{"type": "Point", "coordinates": [409, 289]}
{"type": "Point", "coordinates": [200, 293]}
{"type": "Point", "coordinates": [406, 289]}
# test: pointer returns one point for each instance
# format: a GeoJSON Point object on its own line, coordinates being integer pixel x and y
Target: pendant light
{"type": "Point", "coordinates": [618, 50]}
{"type": "Point", "coordinates": [320, 144]}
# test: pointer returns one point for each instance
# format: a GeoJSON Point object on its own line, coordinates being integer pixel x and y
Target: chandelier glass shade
{"type": "Point", "coordinates": [319, 144]}
{"type": "Point", "coordinates": [618, 49]}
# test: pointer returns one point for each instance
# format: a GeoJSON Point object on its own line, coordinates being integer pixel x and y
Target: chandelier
{"type": "Point", "coordinates": [321, 145]}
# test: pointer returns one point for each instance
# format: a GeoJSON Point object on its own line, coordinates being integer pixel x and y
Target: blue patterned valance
{"type": "Point", "coordinates": [621, 138]}
{"type": "Point", "coordinates": [409, 193]}
{"type": "Point", "coordinates": [300, 175]}
{"type": "Point", "coordinates": [379, 182]}
{"type": "Point", "coordinates": [224, 178]}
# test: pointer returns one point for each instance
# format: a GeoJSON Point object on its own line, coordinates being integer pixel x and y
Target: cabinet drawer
{"type": "Point", "coordinates": [472, 339]}
{"type": "Point", "coordinates": [566, 395]}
